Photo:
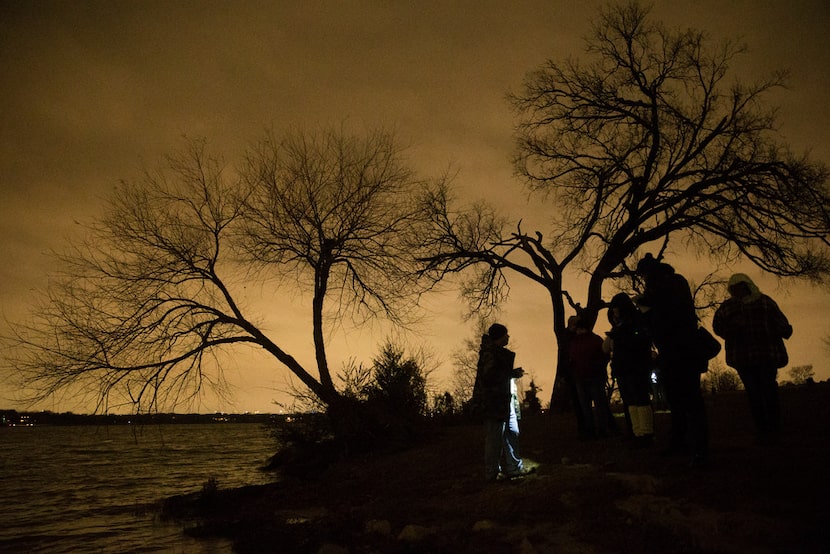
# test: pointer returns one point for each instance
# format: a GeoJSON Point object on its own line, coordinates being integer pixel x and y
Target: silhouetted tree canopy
{"type": "Point", "coordinates": [161, 286]}
{"type": "Point", "coordinates": [643, 142]}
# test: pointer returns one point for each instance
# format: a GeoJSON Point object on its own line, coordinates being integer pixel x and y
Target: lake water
{"type": "Point", "coordinates": [94, 489]}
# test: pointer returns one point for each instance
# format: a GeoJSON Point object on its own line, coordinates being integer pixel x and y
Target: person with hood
{"type": "Point", "coordinates": [672, 324]}
{"type": "Point", "coordinates": [496, 391]}
{"type": "Point", "coordinates": [754, 328]}
{"type": "Point", "coordinates": [629, 345]}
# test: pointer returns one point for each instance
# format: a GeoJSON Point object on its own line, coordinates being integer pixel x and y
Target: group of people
{"type": "Point", "coordinates": [658, 328]}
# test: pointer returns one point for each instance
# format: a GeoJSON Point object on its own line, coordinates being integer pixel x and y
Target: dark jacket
{"type": "Point", "coordinates": [671, 319]}
{"type": "Point", "coordinates": [631, 349]}
{"type": "Point", "coordinates": [586, 358]}
{"type": "Point", "coordinates": [493, 375]}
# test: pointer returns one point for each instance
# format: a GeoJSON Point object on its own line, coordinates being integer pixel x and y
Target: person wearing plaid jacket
{"type": "Point", "coordinates": [754, 328]}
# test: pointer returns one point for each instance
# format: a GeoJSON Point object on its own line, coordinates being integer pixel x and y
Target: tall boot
{"type": "Point", "coordinates": [634, 416]}
{"type": "Point", "coordinates": [647, 420]}
{"type": "Point", "coordinates": [645, 416]}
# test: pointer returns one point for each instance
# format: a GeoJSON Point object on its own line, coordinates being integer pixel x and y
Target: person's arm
{"type": "Point", "coordinates": [780, 322]}
{"type": "Point", "coordinates": [608, 345]}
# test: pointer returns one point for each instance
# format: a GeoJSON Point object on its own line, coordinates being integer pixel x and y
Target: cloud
{"type": "Point", "coordinates": [94, 92]}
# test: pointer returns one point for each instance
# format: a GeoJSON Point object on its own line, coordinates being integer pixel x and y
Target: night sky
{"type": "Point", "coordinates": [94, 92]}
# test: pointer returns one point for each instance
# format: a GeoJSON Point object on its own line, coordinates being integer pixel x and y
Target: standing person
{"type": "Point", "coordinates": [588, 362]}
{"type": "Point", "coordinates": [629, 345]}
{"type": "Point", "coordinates": [495, 374]}
{"type": "Point", "coordinates": [754, 328]}
{"type": "Point", "coordinates": [565, 375]}
{"type": "Point", "coordinates": [672, 324]}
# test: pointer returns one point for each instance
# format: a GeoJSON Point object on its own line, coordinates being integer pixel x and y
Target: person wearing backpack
{"type": "Point", "coordinates": [673, 326]}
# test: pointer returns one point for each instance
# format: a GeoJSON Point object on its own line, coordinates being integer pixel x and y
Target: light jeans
{"type": "Point", "coordinates": [501, 444]}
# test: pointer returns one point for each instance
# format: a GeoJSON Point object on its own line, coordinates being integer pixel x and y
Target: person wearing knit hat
{"type": "Point", "coordinates": [672, 323]}
{"type": "Point", "coordinates": [495, 390]}
{"type": "Point", "coordinates": [754, 328]}
{"type": "Point", "coordinates": [496, 331]}
{"type": "Point", "coordinates": [629, 345]}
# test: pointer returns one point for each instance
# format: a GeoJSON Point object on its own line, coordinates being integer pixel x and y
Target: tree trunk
{"type": "Point", "coordinates": [320, 287]}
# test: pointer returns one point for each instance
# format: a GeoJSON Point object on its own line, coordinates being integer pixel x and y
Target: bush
{"type": "Point", "coordinates": [721, 379]}
{"type": "Point", "coordinates": [383, 405]}
{"type": "Point", "coordinates": [399, 384]}
{"type": "Point", "coordinates": [801, 374]}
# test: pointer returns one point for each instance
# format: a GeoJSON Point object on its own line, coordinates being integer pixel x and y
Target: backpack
{"type": "Point", "coordinates": [707, 346]}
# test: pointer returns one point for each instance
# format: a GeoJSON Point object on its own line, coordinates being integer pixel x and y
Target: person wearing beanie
{"type": "Point", "coordinates": [494, 381]}
{"type": "Point", "coordinates": [754, 328]}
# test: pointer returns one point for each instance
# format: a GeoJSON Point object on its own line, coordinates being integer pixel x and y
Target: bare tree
{"type": "Point", "coordinates": [646, 143]}
{"type": "Point", "coordinates": [143, 307]}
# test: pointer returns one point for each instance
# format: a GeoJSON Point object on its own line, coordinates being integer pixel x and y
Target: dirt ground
{"type": "Point", "coordinates": [602, 496]}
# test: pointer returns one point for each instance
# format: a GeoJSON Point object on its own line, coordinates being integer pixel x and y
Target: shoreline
{"type": "Point", "coordinates": [586, 496]}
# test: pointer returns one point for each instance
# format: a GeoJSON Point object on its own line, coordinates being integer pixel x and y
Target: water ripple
{"type": "Point", "coordinates": [92, 489]}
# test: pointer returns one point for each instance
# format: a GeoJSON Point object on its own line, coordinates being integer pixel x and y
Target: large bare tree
{"type": "Point", "coordinates": [158, 289]}
{"type": "Point", "coordinates": [644, 141]}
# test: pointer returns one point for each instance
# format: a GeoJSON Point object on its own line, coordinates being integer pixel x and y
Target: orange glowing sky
{"type": "Point", "coordinates": [92, 92]}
